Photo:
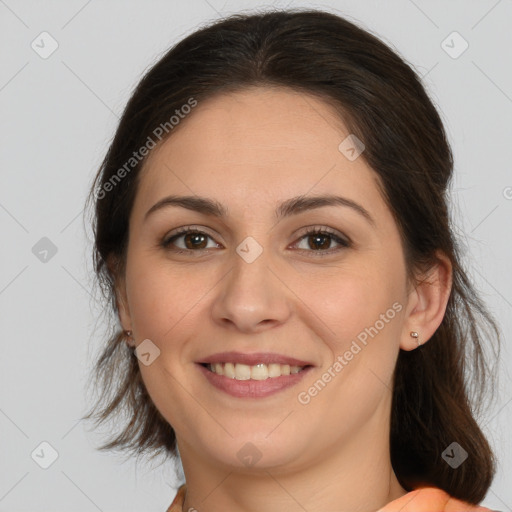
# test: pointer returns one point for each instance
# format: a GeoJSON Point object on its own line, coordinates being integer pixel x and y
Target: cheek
{"type": "Point", "coordinates": [162, 297]}
{"type": "Point", "coordinates": [164, 306]}
{"type": "Point", "coordinates": [353, 300]}
{"type": "Point", "coordinates": [363, 311]}
{"type": "Point", "coordinates": [362, 308]}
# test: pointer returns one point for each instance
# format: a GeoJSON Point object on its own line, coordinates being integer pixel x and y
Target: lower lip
{"type": "Point", "coordinates": [253, 388]}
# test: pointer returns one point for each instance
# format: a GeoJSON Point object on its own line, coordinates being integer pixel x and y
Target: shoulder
{"type": "Point", "coordinates": [425, 499]}
{"type": "Point", "coordinates": [431, 499]}
{"type": "Point", "coordinates": [177, 504]}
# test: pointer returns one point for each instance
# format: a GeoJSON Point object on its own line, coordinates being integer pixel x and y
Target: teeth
{"type": "Point", "coordinates": [229, 370]}
{"type": "Point", "coordinates": [260, 371]}
{"type": "Point", "coordinates": [242, 372]}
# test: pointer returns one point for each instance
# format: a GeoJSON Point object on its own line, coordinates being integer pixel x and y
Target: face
{"type": "Point", "coordinates": [316, 284]}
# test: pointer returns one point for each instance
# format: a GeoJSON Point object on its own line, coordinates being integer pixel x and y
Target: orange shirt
{"type": "Point", "coordinates": [425, 499]}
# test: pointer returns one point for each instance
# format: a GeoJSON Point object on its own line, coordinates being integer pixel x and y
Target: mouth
{"type": "Point", "coordinates": [260, 371]}
{"type": "Point", "coordinates": [259, 375]}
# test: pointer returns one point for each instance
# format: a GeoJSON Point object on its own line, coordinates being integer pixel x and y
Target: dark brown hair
{"type": "Point", "coordinates": [438, 388]}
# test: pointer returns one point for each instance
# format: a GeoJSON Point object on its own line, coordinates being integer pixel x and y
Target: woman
{"type": "Point", "coordinates": [271, 228]}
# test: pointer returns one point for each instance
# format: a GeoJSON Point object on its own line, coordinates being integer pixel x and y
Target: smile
{"type": "Point", "coordinates": [265, 381]}
{"type": "Point", "coordinates": [261, 371]}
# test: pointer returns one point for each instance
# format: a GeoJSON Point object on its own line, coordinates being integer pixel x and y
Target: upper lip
{"type": "Point", "coordinates": [253, 359]}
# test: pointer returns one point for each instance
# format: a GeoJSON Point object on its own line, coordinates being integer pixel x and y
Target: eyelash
{"type": "Point", "coordinates": [344, 242]}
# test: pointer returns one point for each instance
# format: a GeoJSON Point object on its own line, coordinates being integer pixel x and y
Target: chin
{"type": "Point", "coordinates": [255, 451]}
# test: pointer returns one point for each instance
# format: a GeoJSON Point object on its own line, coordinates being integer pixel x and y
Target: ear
{"type": "Point", "coordinates": [123, 309]}
{"type": "Point", "coordinates": [427, 303]}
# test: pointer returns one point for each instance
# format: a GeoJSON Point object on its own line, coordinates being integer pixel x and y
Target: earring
{"type": "Point", "coordinates": [414, 334]}
{"type": "Point", "coordinates": [128, 338]}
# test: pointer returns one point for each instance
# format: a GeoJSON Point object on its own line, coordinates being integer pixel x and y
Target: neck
{"type": "Point", "coordinates": [351, 476]}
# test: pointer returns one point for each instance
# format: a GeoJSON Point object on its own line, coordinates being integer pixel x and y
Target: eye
{"type": "Point", "coordinates": [194, 240]}
{"type": "Point", "coordinates": [318, 240]}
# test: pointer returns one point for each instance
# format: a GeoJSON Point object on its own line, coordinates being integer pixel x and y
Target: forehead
{"type": "Point", "coordinates": [263, 142]}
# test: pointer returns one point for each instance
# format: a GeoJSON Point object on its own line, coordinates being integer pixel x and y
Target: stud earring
{"type": "Point", "coordinates": [128, 338]}
{"type": "Point", "coordinates": [415, 335]}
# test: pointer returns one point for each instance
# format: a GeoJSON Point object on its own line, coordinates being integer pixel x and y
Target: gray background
{"type": "Point", "coordinates": [57, 117]}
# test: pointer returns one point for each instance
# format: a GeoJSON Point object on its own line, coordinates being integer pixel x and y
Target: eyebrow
{"type": "Point", "coordinates": [288, 208]}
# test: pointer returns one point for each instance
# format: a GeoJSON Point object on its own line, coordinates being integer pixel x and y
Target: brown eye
{"type": "Point", "coordinates": [195, 241]}
{"type": "Point", "coordinates": [320, 240]}
{"type": "Point", "coordinates": [317, 241]}
{"type": "Point", "coordinates": [191, 240]}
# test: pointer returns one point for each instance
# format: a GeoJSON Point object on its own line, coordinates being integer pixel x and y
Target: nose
{"type": "Point", "coordinates": [252, 296]}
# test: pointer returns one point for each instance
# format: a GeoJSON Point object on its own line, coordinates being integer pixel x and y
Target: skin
{"type": "Point", "coordinates": [250, 151]}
